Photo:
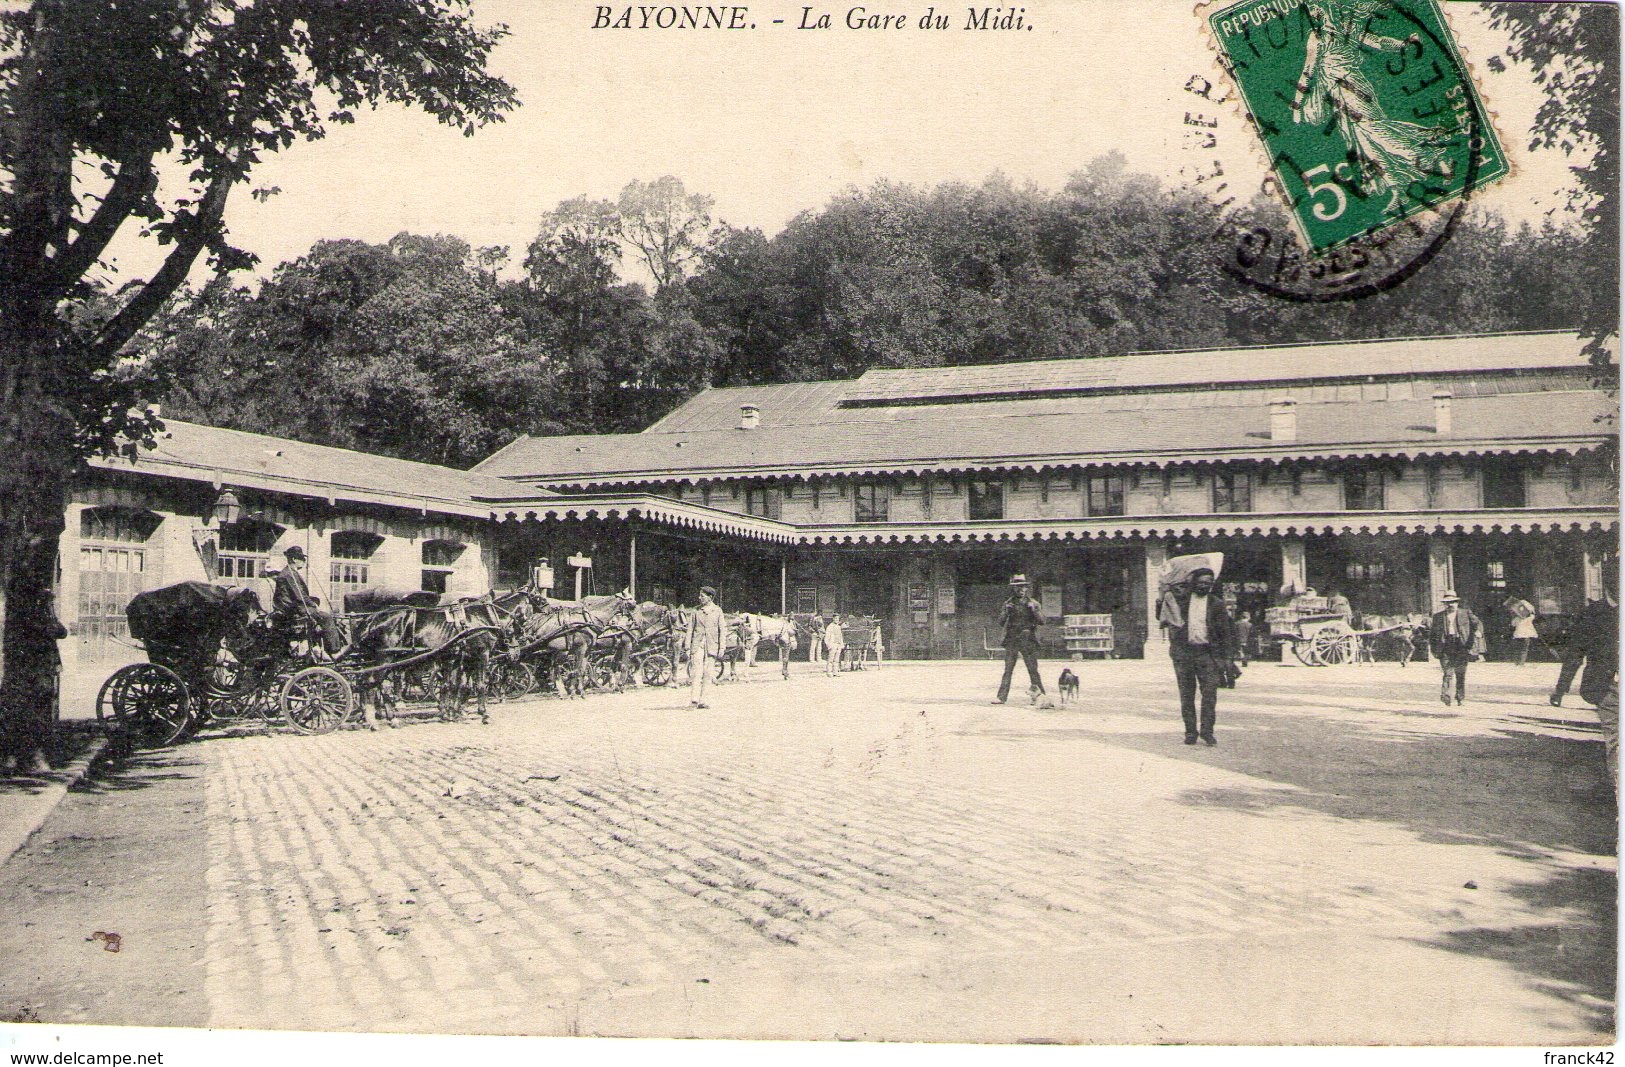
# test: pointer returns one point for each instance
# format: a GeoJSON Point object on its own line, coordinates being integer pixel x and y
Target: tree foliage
{"type": "Point", "coordinates": [96, 100]}
{"type": "Point", "coordinates": [1573, 50]}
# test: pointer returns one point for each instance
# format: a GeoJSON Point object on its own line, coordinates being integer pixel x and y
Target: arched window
{"type": "Point", "coordinates": [245, 548]}
{"type": "Point", "coordinates": [351, 568]}
{"type": "Point", "coordinates": [439, 560]}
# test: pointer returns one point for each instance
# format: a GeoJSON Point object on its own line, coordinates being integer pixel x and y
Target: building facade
{"type": "Point", "coordinates": [1388, 471]}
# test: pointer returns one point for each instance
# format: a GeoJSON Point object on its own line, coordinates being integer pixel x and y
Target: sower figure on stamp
{"type": "Point", "coordinates": [1202, 644]}
{"type": "Point", "coordinates": [1455, 636]}
{"type": "Point", "coordinates": [1020, 620]}
{"type": "Point", "coordinates": [704, 644]}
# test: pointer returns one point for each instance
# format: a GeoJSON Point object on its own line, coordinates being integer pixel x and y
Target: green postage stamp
{"type": "Point", "coordinates": [1365, 108]}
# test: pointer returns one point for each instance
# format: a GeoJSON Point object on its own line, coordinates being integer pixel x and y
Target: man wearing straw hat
{"type": "Point", "coordinates": [1456, 636]}
{"type": "Point", "coordinates": [1020, 619]}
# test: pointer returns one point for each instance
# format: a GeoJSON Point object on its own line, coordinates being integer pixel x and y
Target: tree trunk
{"type": "Point", "coordinates": [36, 462]}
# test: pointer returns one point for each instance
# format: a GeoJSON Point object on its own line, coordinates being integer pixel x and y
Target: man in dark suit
{"type": "Point", "coordinates": [1455, 637]}
{"type": "Point", "coordinates": [1020, 619]}
{"type": "Point", "coordinates": [1202, 644]}
{"type": "Point", "coordinates": [294, 612]}
{"type": "Point", "coordinates": [1594, 643]}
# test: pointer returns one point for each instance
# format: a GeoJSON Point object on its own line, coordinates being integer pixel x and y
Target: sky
{"type": "Point", "coordinates": [778, 120]}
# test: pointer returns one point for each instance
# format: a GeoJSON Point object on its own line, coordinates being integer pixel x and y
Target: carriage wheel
{"type": "Point", "coordinates": [1334, 645]}
{"type": "Point", "coordinates": [601, 672]}
{"type": "Point", "coordinates": [316, 700]}
{"type": "Point", "coordinates": [147, 701]}
{"type": "Point", "coordinates": [1304, 649]}
{"type": "Point", "coordinates": [511, 679]}
{"type": "Point", "coordinates": [657, 669]}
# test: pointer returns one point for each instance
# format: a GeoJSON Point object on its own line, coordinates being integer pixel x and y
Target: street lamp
{"type": "Point", "coordinates": [227, 508]}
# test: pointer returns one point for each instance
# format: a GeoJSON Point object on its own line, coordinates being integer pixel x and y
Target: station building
{"type": "Point", "coordinates": [1390, 471]}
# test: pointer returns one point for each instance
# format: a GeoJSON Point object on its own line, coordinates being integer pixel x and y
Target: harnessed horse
{"type": "Point", "coordinates": [457, 637]}
{"type": "Point", "coordinates": [564, 631]}
{"type": "Point", "coordinates": [776, 629]}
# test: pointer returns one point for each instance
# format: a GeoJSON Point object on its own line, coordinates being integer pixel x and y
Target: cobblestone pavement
{"type": "Point", "coordinates": [884, 855]}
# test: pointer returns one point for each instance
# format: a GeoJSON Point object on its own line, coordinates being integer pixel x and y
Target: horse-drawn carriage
{"type": "Point", "coordinates": [212, 655]}
{"type": "Point", "coordinates": [864, 645]}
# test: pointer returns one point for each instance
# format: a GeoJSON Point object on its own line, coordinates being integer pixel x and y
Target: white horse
{"type": "Point", "coordinates": [777, 629]}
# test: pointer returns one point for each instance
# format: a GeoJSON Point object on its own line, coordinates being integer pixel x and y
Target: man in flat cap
{"type": "Point", "coordinates": [705, 645]}
{"type": "Point", "coordinates": [1020, 620]}
{"type": "Point", "coordinates": [1202, 644]}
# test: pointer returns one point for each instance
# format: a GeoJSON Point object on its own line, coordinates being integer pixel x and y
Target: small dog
{"type": "Point", "coordinates": [1068, 685]}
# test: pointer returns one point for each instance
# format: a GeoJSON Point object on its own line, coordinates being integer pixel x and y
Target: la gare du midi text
{"type": "Point", "coordinates": [738, 17]}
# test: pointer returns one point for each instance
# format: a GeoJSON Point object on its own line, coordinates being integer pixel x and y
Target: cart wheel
{"type": "Point", "coordinates": [657, 670]}
{"type": "Point", "coordinates": [1305, 651]}
{"type": "Point", "coordinates": [316, 700]}
{"type": "Point", "coordinates": [1334, 645]}
{"type": "Point", "coordinates": [511, 679]}
{"type": "Point", "coordinates": [147, 701]}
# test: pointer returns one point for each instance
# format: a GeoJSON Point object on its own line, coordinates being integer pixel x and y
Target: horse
{"type": "Point", "coordinates": [1403, 628]}
{"type": "Point", "coordinates": [776, 629]}
{"type": "Point", "coordinates": [565, 631]}
{"type": "Point", "coordinates": [402, 626]}
{"type": "Point", "coordinates": [738, 642]}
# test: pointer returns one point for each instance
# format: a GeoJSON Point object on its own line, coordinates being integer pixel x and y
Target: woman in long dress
{"type": "Point", "coordinates": [1389, 155]}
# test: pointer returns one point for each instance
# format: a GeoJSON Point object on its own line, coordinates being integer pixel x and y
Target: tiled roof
{"type": "Point", "coordinates": [234, 457]}
{"type": "Point", "coordinates": [1518, 422]}
{"type": "Point", "coordinates": [794, 404]}
{"type": "Point", "coordinates": [1219, 367]}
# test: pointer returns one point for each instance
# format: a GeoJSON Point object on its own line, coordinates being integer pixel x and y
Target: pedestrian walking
{"type": "Point", "coordinates": [1594, 644]}
{"type": "Point", "coordinates": [815, 642]}
{"type": "Point", "coordinates": [1244, 636]}
{"type": "Point", "coordinates": [1020, 618]}
{"type": "Point", "coordinates": [834, 645]}
{"type": "Point", "coordinates": [704, 645]}
{"type": "Point", "coordinates": [1456, 636]}
{"type": "Point", "coordinates": [1201, 643]}
{"type": "Point", "coordinates": [1523, 625]}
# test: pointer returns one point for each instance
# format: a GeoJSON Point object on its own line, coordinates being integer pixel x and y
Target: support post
{"type": "Point", "coordinates": [784, 583]}
{"type": "Point", "coordinates": [1441, 570]}
{"type": "Point", "coordinates": [1591, 561]}
{"type": "Point", "coordinates": [1294, 566]}
{"type": "Point", "coordinates": [632, 565]}
{"type": "Point", "coordinates": [1156, 554]}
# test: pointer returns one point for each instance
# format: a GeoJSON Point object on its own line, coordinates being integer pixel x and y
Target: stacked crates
{"type": "Point", "coordinates": [1089, 633]}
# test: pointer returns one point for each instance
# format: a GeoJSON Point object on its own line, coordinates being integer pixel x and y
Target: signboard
{"type": "Point", "coordinates": [946, 601]}
{"type": "Point", "coordinates": [1050, 598]}
{"type": "Point", "coordinates": [580, 561]}
{"type": "Point", "coordinates": [541, 576]}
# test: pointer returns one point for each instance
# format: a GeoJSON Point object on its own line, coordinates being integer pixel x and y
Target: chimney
{"type": "Point", "coordinates": [750, 416]}
{"type": "Point", "coordinates": [1441, 411]}
{"type": "Point", "coordinates": [1284, 419]}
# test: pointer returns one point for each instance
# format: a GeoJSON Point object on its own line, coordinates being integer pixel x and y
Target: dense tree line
{"type": "Point", "coordinates": [425, 348]}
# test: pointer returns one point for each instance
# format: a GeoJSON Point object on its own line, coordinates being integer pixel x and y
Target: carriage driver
{"type": "Point", "coordinates": [293, 610]}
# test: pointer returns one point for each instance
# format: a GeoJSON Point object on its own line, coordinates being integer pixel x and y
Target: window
{"type": "Point", "coordinates": [439, 560]}
{"type": "Point", "coordinates": [870, 503]}
{"type": "Point", "coordinates": [986, 500]}
{"type": "Point", "coordinates": [126, 525]}
{"type": "Point", "coordinates": [762, 500]}
{"type": "Point", "coordinates": [350, 570]}
{"type": "Point", "coordinates": [1503, 484]}
{"type": "Point", "coordinates": [1496, 574]}
{"type": "Point", "coordinates": [1366, 572]}
{"type": "Point", "coordinates": [1362, 489]}
{"type": "Point", "coordinates": [245, 549]}
{"type": "Point", "coordinates": [1106, 494]}
{"type": "Point", "coordinates": [1432, 484]}
{"type": "Point", "coordinates": [1232, 491]}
